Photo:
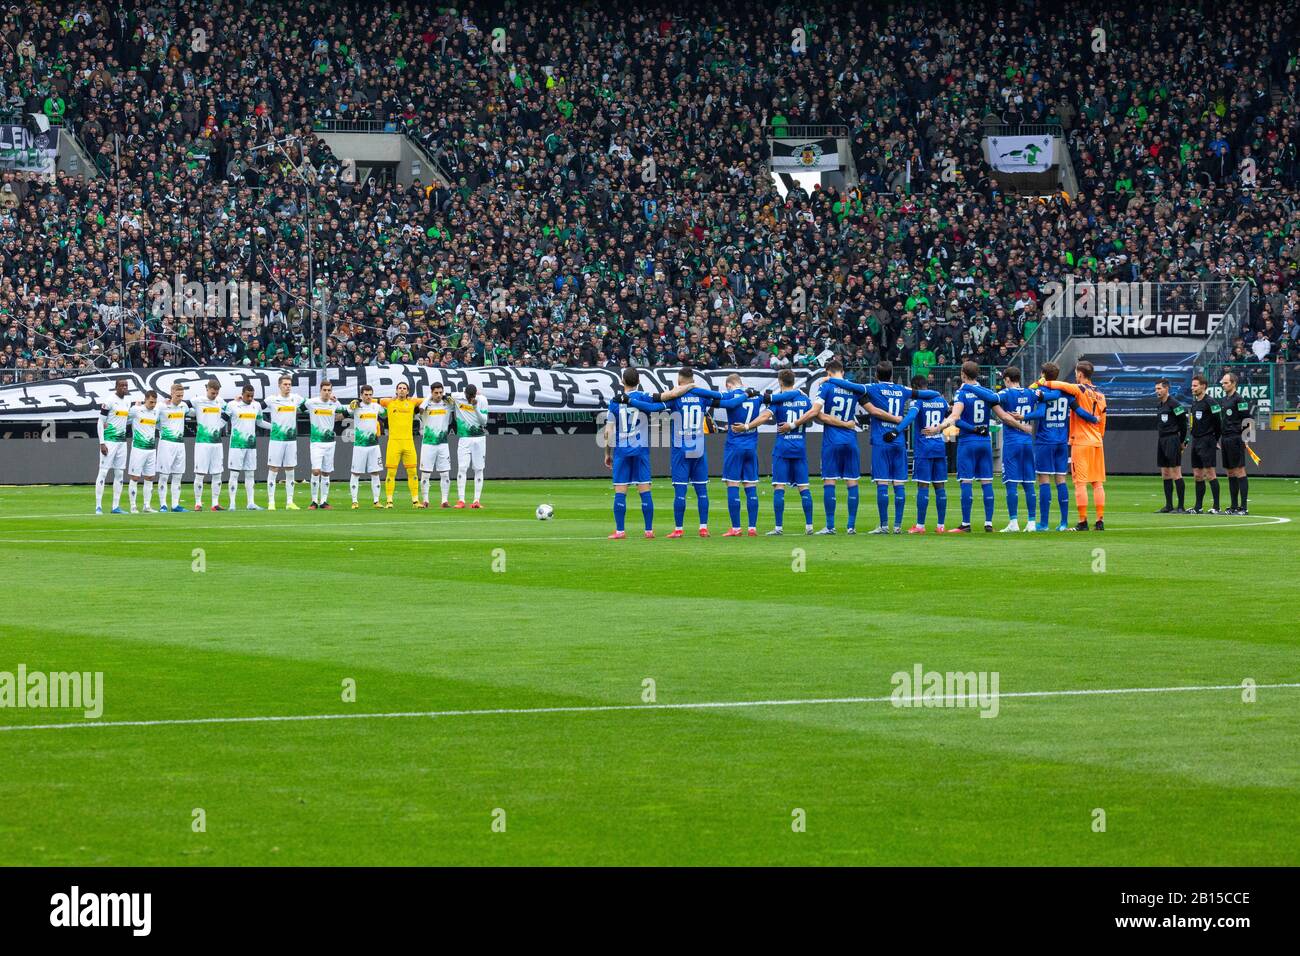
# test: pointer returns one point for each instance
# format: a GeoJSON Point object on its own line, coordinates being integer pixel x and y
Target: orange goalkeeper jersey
{"type": "Point", "coordinates": [1084, 433]}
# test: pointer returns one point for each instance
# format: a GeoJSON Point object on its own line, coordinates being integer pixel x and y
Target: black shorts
{"type": "Point", "coordinates": [1203, 453]}
{"type": "Point", "coordinates": [1234, 451]}
{"type": "Point", "coordinates": [1169, 452]}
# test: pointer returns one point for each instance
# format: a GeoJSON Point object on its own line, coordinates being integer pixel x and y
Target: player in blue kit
{"type": "Point", "coordinates": [1052, 447]}
{"type": "Point", "coordinates": [792, 410]}
{"type": "Point", "coordinates": [836, 406]}
{"type": "Point", "coordinates": [886, 402]}
{"type": "Point", "coordinates": [929, 455]}
{"type": "Point", "coordinates": [1017, 451]}
{"type": "Point", "coordinates": [740, 456]}
{"type": "Point", "coordinates": [971, 406]}
{"type": "Point", "coordinates": [627, 450]}
{"type": "Point", "coordinates": [690, 406]}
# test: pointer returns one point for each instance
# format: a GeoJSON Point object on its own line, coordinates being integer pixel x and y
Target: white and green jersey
{"type": "Point", "coordinates": [207, 415]}
{"type": "Point", "coordinates": [144, 427]}
{"type": "Point", "coordinates": [113, 419]}
{"type": "Point", "coordinates": [320, 415]}
{"type": "Point", "coordinates": [243, 423]}
{"type": "Point", "coordinates": [284, 416]}
{"type": "Point", "coordinates": [435, 420]}
{"type": "Point", "coordinates": [171, 420]}
{"type": "Point", "coordinates": [471, 419]}
{"type": "Point", "coordinates": [365, 423]}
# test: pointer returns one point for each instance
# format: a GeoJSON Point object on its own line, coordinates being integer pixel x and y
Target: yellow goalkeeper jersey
{"type": "Point", "coordinates": [401, 419]}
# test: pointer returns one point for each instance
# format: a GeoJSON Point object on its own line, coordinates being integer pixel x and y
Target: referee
{"type": "Point", "coordinates": [1171, 442]}
{"type": "Point", "coordinates": [1206, 429]}
{"type": "Point", "coordinates": [1238, 413]}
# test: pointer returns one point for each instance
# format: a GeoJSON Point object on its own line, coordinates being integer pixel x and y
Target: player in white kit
{"type": "Point", "coordinates": [209, 457]}
{"type": "Point", "coordinates": [245, 416]}
{"type": "Point", "coordinates": [321, 414]}
{"type": "Point", "coordinates": [366, 460]}
{"type": "Point", "coordinates": [171, 446]}
{"type": "Point", "coordinates": [471, 442]}
{"type": "Point", "coordinates": [114, 417]}
{"type": "Point", "coordinates": [144, 449]}
{"type": "Point", "coordinates": [435, 452]}
{"type": "Point", "coordinates": [282, 453]}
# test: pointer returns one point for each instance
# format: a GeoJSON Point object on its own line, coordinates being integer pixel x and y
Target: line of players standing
{"type": "Point", "coordinates": [1034, 461]}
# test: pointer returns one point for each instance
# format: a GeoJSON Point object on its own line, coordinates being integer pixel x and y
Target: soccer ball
{"type": "Point", "coordinates": [544, 512]}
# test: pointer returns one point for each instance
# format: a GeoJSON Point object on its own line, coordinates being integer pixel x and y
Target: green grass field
{"type": "Point", "coordinates": [408, 604]}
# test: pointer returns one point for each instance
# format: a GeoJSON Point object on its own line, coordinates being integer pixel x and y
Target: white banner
{"type": "Point", "coordinates": [1021, 154]}
{"type": "Point", "coordinates": [28, 152]}
{"type": "Point", "coordinates": [507, 389]}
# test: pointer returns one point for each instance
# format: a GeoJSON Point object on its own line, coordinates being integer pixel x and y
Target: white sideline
{"type": "Point", "coordinates": [602, 708]}
{"type": "Point", "coordinates": [1173, 525]}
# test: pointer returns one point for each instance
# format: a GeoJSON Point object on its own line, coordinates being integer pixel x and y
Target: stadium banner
{"type": "Point", "coordinates": [1021, 154]}
{"type": "Point", "coordinates": [1193, 325]}
{"type": "Point", "coordinates": [507, 389]}
{"type": "Point", "coordinates": [1128, 380]}
{"type": "Point", "coordinates": [812, 154]}
{"type": "Point", "coordinates": [28, 152]}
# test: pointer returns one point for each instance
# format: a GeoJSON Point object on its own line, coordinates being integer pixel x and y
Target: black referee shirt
{"type": "Point", "coordinates": [1172, 419]}
{"type": "Point", "coordinates": [1237, 410]}
{"type": "Point", "coordinates": [1205, 418]}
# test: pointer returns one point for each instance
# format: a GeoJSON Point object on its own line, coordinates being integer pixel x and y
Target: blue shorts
{"type": "Point", "coordinates": [1052, 459]}
{"type": "Point", "coordinates": [739, 464]}
{"type": "Point", "coordinates": [689, 470]}
{"type": "Point", "coordinates": [789, 471]}
{"type": "Point", "coordinates": [1018, 462]}
{"type": "Point", "coordinates": [930, 470]}
{"type": "Point", "coordinates": [889, 462]}
{"type": "Point", "coordinates": [975, 460]}
{"type": "Point", "coordinates": [841, 461]}
{"type": "Point", "coordinates": [632, 467]}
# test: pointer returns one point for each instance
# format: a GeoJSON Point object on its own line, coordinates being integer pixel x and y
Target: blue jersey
{"type": "Point", "coordinates": [1020, 401]}
{"type": "Point", "coordinates": [843, 404]}
{"type": "Point", "coordinates": [791, 444]}
{"type": "Point", "coordinates": [976, 402]}
{"type": "Point", "coordinates": [631, 423]}
{"type": "Point", "coordinates": [689, 413]}
{"type": "Point", "coordinates": [929, 413]}
{"type": "Point", "coordinates": [742, 414]}
{"type": "Point", "coordinates": [1054, 428]}
{"type": "Point", "coordinates": [888, 397]}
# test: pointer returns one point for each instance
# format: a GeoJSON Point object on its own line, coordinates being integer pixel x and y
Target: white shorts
{"type": "Point", "coordinates": [144, 462]}
{"type": "Point", "coordinates": [471, 453]}
{"type": "Point", "coordinates": [171, 458]}
{"type": "Point", "coordinates": [435, 457]}
{"type": "Point", "coordinates": [322, 457]}
{"type": "Point", "coordinates": [366, 460]}
{"type": "Point", "coordinates": [208, 458]}
{"type": "Point", "coordinates": [243, 459]}
{"type": "Point", "coordinates": [116, 457]}
{"type": "Point", "coordinates": [282, 454]}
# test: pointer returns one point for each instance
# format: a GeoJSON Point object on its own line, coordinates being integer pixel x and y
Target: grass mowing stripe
{"type": "Point", "coordinates": [605, 708]}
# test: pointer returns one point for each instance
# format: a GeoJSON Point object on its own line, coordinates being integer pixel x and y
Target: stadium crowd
{"type": "Point", "coordinates": [553, 244]}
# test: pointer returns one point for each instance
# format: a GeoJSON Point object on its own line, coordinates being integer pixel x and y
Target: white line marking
{"type": "Point", "coordinates": [604, 708]}
{"type": "Point", "coordinates": [1269, 520]}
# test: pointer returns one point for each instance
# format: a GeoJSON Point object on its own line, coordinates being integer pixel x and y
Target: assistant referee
{"type": "Point", "coordinates": [1238, 413]}
{"type": "Point", "coordinates": [1171, 441]}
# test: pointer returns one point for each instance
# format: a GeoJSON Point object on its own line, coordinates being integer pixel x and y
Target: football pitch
{"type": "Point", "coordinates": [458, 687]}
